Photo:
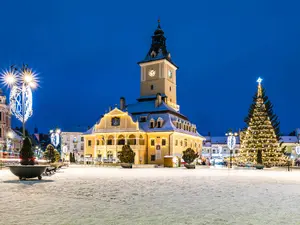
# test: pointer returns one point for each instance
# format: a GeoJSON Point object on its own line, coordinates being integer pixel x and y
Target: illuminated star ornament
{"type": "Point", "coordinates": [259, 80]}
{"type": "Point", "coordinates": [21, 81]}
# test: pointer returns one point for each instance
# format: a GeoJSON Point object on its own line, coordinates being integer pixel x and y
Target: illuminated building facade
{"type": "Point", "coordinates": [153, 126]}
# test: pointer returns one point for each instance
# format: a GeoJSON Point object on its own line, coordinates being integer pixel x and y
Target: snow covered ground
{"type": "Point", "coordinates": [89, 195]}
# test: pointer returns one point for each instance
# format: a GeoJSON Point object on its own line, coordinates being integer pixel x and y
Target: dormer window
{"type": "Point", "coordinates": [153, 54]}
{"type": "Point", "coordinates": [143, 119]}
{"type": "Point", "coordinates": [152, 123]}
{"type": "Point", "coordinates": [159, 122]}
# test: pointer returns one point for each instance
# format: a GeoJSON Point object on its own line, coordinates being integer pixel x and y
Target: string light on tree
{"type": "Point", "coordinates": [21, 81]}
{"type": "Point", "coordinates": [260, 143]}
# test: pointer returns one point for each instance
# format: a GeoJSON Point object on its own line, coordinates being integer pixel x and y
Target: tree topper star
{"type": "Point", "coordinates": [259, 80]}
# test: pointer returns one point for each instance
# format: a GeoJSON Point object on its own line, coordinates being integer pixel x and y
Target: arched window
{"type": "Point", "coordinates": [159, 122]}
{"type": "Point", "coordinates": [110, 140]}
{"type": "Point", "coordinates": [98, 142]}
{"type": "Point", "coordinates": [121, 140]}
{"type": "Point", "coordinates": [152, 87]}
{"type": "Point", "coordinates": [152, 123]}
{"type": "Point", "coordinates": [181, 143]}
{"type": "Point", "coordinates": [141, 140]}
{"type": "Point", "coordinates": [131, 140]}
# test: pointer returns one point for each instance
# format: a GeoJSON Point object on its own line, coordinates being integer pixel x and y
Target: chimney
{"type": "Point", "coordinates": [122, 103]}
{"type": "Point", "coordinates": [158, 100]}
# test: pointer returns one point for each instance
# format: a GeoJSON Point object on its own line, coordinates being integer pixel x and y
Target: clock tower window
{"type": "Point", "coordinates": [152, 87]}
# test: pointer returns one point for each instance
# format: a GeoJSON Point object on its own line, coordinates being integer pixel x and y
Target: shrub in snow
{"type": "Point", "coordinates": [26, 153]}
{"type": "Point", "coordinates": [189, 155]}
{"type": "Point", "coordinates": [51, 154]}
{"type": "Point", "coordinates": [126, 155]}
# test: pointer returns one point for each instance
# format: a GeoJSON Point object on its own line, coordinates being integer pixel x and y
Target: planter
{"type": "Point", "coordinates": [189, 166]}
{"type": "Point", "coordinates": [24, 172]}
{"type": "Point", "coordinates": [126, 165]}
{"type": "Point", "coordinates": [259, 166]}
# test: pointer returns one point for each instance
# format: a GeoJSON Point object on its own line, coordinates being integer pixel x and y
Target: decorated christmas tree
{"type": "Point", "coordinates": [260, 141]}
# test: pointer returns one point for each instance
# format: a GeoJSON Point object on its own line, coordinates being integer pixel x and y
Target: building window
{"type": "Point", "coordinates": [121, 140]}
{"type": "Point", "coordinates": [82, 147]}
{"type": "Point", "coordinates": [0, 116]}
{"type": "Point", "coordinates": [158, 124]}
{"type": "Point", "coordinates": [110, 140]}
{"type": "Point", "coordinates": [143, 119]}
{"type": "Point", "coordinates": [180, 143]}
{"type": "Point", "coordinates": [170, 88]}
{"type": "Point", "coordinates": [152, 157]}
{"type": "Point", "coordinates": [131, 140]}
{"type": "Point", "coordinates": [152, 142]}
{"type": "Point", "coordinates": [214, 151]}
{"type": "Point", "coordinates": [185, 143]}
{"type": "Point", "coordinates": [98, 142]}
{"type": "Point", "coordinates": [152, 123]}
{"type": "Point", "coordinates": [89, 143]}
{"type": "Point", "coordinates": [82, 139]}
{"type": "Point", "coordinates": [163, 142]}
{"type": "Point", "coordinates": [141, 140]}
{"type": "Point", "coordinates": [152, 87]}
{"type": "Point", "coordinates": [176, 142]}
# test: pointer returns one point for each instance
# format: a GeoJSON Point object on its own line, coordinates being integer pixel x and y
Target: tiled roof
{"type": "Point", "coordinates": [148, 106]}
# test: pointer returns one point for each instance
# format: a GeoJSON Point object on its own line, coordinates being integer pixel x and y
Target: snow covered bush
{"type": "Point", "coordinates": [26, 153]}
{"type": "Point", "coordinates": [189, 155]}
{"type": "Point", "coordinates": [126, 155]}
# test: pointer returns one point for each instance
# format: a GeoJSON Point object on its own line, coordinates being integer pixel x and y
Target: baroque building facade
{"type": "Point", "coordinates": [153, 126]}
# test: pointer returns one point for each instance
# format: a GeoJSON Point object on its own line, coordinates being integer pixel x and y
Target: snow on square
{"type": "Point", "coordinates": [93, 195]}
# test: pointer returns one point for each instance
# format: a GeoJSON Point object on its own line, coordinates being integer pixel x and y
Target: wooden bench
{"type": "Point", "coordinates": [49, 170]}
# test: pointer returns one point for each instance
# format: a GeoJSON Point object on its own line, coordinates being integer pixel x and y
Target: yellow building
{"type": "Point", "coordinates": [153, 126]}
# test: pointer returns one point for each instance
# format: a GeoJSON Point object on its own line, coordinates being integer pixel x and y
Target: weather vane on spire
{"type": "Point", "coordinates": [259, 80]}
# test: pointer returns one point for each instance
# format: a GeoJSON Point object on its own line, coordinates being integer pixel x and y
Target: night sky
{"type": "Point", "coordinates": [86, 54]}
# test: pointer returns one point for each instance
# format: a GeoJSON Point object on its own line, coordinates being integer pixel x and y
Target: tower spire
{"type": "Point", "coordinates": [158, 23]}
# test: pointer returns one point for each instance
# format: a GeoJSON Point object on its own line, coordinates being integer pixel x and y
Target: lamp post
{"type": "Point", "coordinates": [231, 142]}
{"type": "Point", "coordinates": [21, 81]}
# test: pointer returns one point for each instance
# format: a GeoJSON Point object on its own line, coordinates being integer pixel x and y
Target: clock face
{"type": "Point", "coordinates": [152, 73]}
{"type": "Point", "coordinates": [170, 73]}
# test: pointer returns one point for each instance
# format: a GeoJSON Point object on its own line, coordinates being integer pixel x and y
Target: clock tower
{"type": "Point", "coordinates": [158, 71]}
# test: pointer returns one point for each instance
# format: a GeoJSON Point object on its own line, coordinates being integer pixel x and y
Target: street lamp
{"type": "Point", "coordinates": [231, 142]}
{"type": "Point", "coordinates": [21, 81]}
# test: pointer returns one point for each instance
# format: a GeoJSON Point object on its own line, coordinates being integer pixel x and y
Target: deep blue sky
{"type": "Point", "coordinates": [86, 54]}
